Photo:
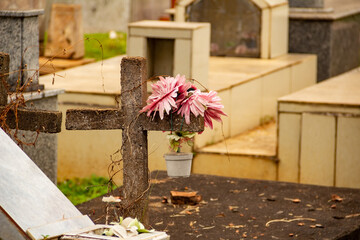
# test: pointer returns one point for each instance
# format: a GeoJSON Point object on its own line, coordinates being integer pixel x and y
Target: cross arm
{"type": "Point", "coordinates": [34, 120]}
{"type": "Point", "coordinates": [105, 119]}
{"type": "Point", "coordinates": [91, 119]}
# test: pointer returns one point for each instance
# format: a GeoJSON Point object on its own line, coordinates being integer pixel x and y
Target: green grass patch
{"type": "Point", "coordinates": [82, 190]}
{"type": "Point", "coordinates": [97, 44]}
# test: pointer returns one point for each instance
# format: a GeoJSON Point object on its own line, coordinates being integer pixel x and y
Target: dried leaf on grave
{"type": "Point", "coordinates": [185, 197]}
{"type": "Point", "coordinates": [291, 234]}
{"type": "Point", "coordinates": [213, 199]}
{"type": "Point", "coordinates": [352, 215]}
{"type": "Point", "coordinates": [235, 191]}
{"type": "Point", "coordinates": [234, 208]}
{"type": "Point", "coordinates": [336, 198]}
{"type": "Point", "coordinates": [301, 224]}
{"type": "Point", "coordinates": [191, 224]}
{"type": "Point", "coordinates": [319, 225]}
{"type": "Point", "coordinates": [233, 226]}
{"type": "Point", "coordinates": [244, 235]}
{"type": "Point", "coordinates": [294, 200]}
{"type": "Point", "coordinates": [189, 210]}
{"type": "Point", "coordinates": [220, 215]}
{"type": "Point", "coordinates": [159, 223]}
{"type": "Point", "coordinates": [207, 228]}
{"type": "Point", "coordinates": [272, 198]}
{"type": "Point", "coordinates": [333, 206]}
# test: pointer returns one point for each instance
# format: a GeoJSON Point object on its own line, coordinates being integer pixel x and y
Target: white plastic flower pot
{"type": "Point", "coordinates": [178, 164]}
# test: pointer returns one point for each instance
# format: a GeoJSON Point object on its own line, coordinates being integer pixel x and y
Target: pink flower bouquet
{"type": "Point", "coordinates": [177, 96]}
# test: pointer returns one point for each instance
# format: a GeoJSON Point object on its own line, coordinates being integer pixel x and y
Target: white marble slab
{"type": "Point", "coordinates": [29, 198]}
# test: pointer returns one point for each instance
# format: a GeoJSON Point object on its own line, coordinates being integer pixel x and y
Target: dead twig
{"type": "Point", "coordinates": [289, 220]}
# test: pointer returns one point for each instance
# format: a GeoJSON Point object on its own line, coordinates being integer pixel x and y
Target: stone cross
{"type": "Point", "coordinates": [31, 120]}
{"type": "Point", "coordinates": [134, 134]}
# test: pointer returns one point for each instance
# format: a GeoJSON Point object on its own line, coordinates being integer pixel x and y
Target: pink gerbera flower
{"type": "Point", "coordinates": [205, 104]}
{"type": "Point", "coordinates": [195, 104]}
{"type": "Point", "coordinates": [164, 95]}
{"type": "Point", "coordinates": [213, 108]}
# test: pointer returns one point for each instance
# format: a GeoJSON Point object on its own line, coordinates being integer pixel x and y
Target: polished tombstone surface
{"type": "Point", "coordinates": [20, 39]}
{"type": "Point", "coordinates": [331, 31]}
{"type": "Point", "coordinates": [30, 200]}
{"type": "Point", "coordinates": [235, 26]}
{"type": "Point", "coordinates": [244, 28]}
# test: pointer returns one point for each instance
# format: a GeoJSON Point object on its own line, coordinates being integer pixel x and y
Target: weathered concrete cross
{"type": "Point", "coordinates": [31, 120]}
{"type": "Point", "coordinates": [134, 135]}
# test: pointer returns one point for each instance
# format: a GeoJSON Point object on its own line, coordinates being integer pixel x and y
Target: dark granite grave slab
{"type": "Point", "coordinates": [20, 39]}
{"type": "Point", "coordinates": [333, 36]}
{"type": "Point", "coordinates": [235, 208]}
{"type": "Point", "coordinates": [235, 26]}
{"type": "Point", "coordinates": [306, 3]}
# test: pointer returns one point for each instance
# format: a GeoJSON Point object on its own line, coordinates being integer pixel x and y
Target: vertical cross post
{"type": "Point", "coordinates": [134, 145]}
{"type": "Point", "coordinates": [4, 71]}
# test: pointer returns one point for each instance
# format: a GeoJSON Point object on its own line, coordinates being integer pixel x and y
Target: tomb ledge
{"type": "Point", "coordinates": [21, 13]}
{"type": "Point", "coordinates": [337, 11]}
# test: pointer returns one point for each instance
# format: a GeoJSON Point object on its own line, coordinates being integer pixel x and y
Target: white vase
{"type": "Point", "coordinates": [178, 164]}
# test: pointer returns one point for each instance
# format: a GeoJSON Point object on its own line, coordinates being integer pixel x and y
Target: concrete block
{"type": "Point", "coordinates": [265, 34]}
{"type": "Point", "coordinates": [289, 147]}
{"type": "Point", "coordinates": [274, 85]}
{"type": "Point", "coordinates": [189, 55]}
{"type": "Point", "coordinates": [348, 152]}
{"type": "Point", "coordinates": [234, 166]}
{"type": "Point", "coordinates": [65, 34]}
{"type": "Point", "coordinates": [303, 74]}
{"type": "Point", "coordinates": [183, 52]}
{"type": "Point", "coordinates": [160, 33]}
{"type": "Point", "coordinates": [279, 30]}
{"type": "Point", "coordinates": [200, 55]}
{"type": "Point", "coordinates": [317, 157]}
{"type": "Point", "coordinates": [19, 33]}
{"type": "Point", "coordinates": [253, 28]}
{"type": "Point", "coordinates": [137, 46]}
{"type": "Point", "coordinates": [245, 106]}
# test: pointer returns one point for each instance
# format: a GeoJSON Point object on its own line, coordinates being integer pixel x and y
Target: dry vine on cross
{"type": "Point", "coordinates": [14, 115]}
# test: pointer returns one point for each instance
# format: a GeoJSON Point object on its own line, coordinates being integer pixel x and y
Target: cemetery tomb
{"type": "Point", "coordinates": [20, 39]}
{"type": "Point", "coordinates": [172, 48]}
{"type": "Point", "coordinates": [32, 207]}
{"type": "Point", "coordinates": [240, 83]}
{"type": "Point", "coordinates": [65, 34]}
{"type": "Point", "coordinates": [319, 133]}
{"type": "Point", "coordinates": [243, 28]}
{"type": "Point", "coordinates": [328, 28]}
